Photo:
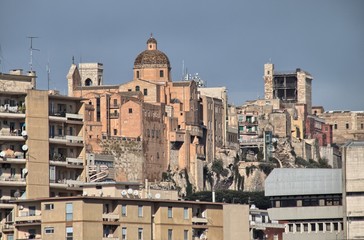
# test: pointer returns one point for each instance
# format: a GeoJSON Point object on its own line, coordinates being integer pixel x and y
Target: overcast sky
{"type": "Point", "coordinates": [226, 42]}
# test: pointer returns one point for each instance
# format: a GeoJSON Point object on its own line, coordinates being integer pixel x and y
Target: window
{"type": "Point", "coordinates": [123, 210]}
{"type": "Point", "coordinates": [145, 92]}
{"type": "Point", "coordinates": [69, 233]}
{"type": "Point", "coordinates": [140, 233]}
{"type": "Point", "coordinates": [140, 211]}
{"type": "Point", "coordinates": [129, 90]}
{"type": "Point", "coordinates": [49, 206]}
{"type": "Point", "coordinates": [347, 125]}
{"type": "Point", "coordinates": [115, 132]}
{"type": "Point", "coordinates": [123, 233]}
{"type": "Point", "coordinates": [137, 74]}
{"type": "Point", "coordinates": [328, 227]}
{"type": "Point", "coordinates": [336, 226]}
{"type": "Point", "coordinates": [170, 212]}
{"type": "Point", "coordinates": [161, 73]}
{"type": "Point", "coordinates": [49, 230]}
{"type": "Point", "coordinates": [185, 235]}
{"type": "Point", "coordinates": [298, 227]}
{"type": "Point", "coordinates": [10, 237]}
{"type": "Point", "coordinates": [88, 82]}
{"type": "Point", "coordinates": [69, 211]}
{"type": "Point", "coordinates": [313, 227]}
{"type": "Point", "coordinates": [335, 126]}
{"type": "Point", "coordinates": [362, 126]}
{"type": "Point", "coordinates": [137, 88]}
{"type": "Point", "coordinates": [115, 102]}
{"type": "Point", "coordinates": [305, 227]}
{"type": "Point", "coordinates": [130, 110]}
{"type": "Point", "coordinates": [320, 227]}
{"type": "Point", "coordinates": [170, 234]}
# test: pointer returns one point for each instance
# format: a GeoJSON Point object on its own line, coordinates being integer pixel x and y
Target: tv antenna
{"type": "Point", "coordinates": [31, 52]}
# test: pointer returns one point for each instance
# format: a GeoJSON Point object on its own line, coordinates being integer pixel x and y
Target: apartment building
{"type": "Point", "coordinates": [41, 143]}
{"type": "Point", "coordinates": [353, 189]}
{"type": "Point", "coordinates": [308, 201]}
{"type": "Point", "coordinates": [111, 218]}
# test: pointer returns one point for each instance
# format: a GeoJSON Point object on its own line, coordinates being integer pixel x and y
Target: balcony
{"type": "Point", "coordinates": [110, 238]}
{"type": "Point", "coordinates": [114, 105]}
{"type": "Point", "coordinates": [68, 184]}
{"type": "Point", "coordinates": [11, 135]}
{"type": "Point", "coordinates": [8, 111]}
{"type": "Point", "coordinates": [110, 217]}
{"type": "Point", "coordinates": [199, 220]}
{"type": "Point", "coordinates": [74, 140]}
{"type": "Point", "coordinates": [298, 213]}
{"type": "Point", "coordinates": [7, 228]}
{"type": "Point", "coordinates": [74, 161]}
{"type": "Point", "coordinates": [12, 181]}
{"type": "Point", "coordinates": [57, 139]}
{"type": "Point", "coordinates": [27, 217]}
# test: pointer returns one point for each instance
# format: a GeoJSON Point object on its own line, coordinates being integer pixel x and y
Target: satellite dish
{"type": "Point", "coordinates": [24, 148]}
{"type": "Point", "coordinates": [2, 154]}
{"type": "Point", "coordinates": [21, 207]}
{"type": "Point", "coordinates": [157, 195]}
{"type": "Point", "coordinates": [24, 133]}
{"type": "Point", "coordinates": [123, 193]}
{"type": "Point", "coordinates": [130, 191]}
{"type": "Point", "coordinates": [25, 171]}
{"type": "Point", "coordinates": [136, 192]}
{"type": "Point", "coordinates": [84, 193]}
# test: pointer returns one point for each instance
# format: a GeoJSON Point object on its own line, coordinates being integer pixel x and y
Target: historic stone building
{"type": "Point", "coordinates": [160, 116]}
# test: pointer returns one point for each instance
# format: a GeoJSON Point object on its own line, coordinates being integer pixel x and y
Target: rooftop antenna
{"type": "Point", "coordinates": [48, 74]}
{"type": "Point", "coordinates": [1, 57]}
{"type": "Point", "coordinates": [31, 52]}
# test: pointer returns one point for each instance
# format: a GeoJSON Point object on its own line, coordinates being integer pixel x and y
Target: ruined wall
{"type": "Point", "coordinates": [129, 160]}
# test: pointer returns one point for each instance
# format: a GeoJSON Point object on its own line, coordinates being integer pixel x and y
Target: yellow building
{"type": "Point", "coordinates": [111, 218]}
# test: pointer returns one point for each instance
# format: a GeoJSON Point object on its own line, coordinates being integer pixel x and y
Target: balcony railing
{"type": "Point", "coordinates": [111, 217]}
{"type": "Point", "coordinates": [74, 161]}
{"type": "Point", "coordinates": [13, 179]}
{"type": "Point", "coordinates": [114, 115]}
{"type": "Point", "coordinates": [28, 217]}
{"type": "Point", "coordinates": [199, 220]}
{"type": "Point", "coordinates": [12, 109]}
{"type": "Point", "coordinates": [73, 116]}
{"type": "Point", "coordinates": [74, 139]}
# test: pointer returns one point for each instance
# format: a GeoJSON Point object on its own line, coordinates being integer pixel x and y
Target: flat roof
{"type": "Point", "coordinates": [70, 198]}
{"type": "Point", "coordinates": [111, 183]}
{"type": "Point", "coordinates": [303, 181]}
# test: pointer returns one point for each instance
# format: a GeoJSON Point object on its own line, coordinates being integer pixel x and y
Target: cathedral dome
{"type": "Point", "coordinates": [151, 57]}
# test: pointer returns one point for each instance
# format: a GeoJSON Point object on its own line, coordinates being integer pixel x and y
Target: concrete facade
{"type": "Point", "coordinates": [123, 218]}
{"type": "Point", "coordinates": [353, 193]}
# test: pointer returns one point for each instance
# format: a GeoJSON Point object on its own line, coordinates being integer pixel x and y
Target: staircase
{"type": "Point", "coordinates": [97, 173]}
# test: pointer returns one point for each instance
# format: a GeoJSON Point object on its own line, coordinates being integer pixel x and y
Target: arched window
{"type": "Point", "coordinates": [137, 88]}
{"type": "Point", "coordinates": [88, 82]}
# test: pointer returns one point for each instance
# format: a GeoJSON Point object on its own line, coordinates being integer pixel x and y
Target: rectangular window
{"type": "Point", "coordinates": [10, 237]}
{"type": "Point", "coordinates": [130, 110]}
{"type": "Point", "coordinates": [170, 234]}
{"type": "Point", "coordinates": [313, 227]}
{"type": "Point", "coordinates": [347, 126]}
{"type": "Point", "coordinates": [320, 227]}
{"type": "Point", "coordinates": [115, 102]}
{"type": "Point", "coordinates": [123, 233]}
{"type": "Point", "coordinates": [161, 73]}
{"type": "Point", "coordinates": [69, 211]}
{"type": "Point", "coordinates": [115, 132]}
{"type": "Point", "coordinates": [298, 227]}
{"type": "Point", "coordinates": [123, 210]}
{"type": "Point", "coordinates": [185, 235]}
{"type": "Point", "coordinates": [170, 212]}
{"type": "Point", "coordinates": [140, 211]}
{"type": "Point", "coordinates": [185, 213]}
{"type": "Point", "coordinates": [335, 126]}
{"type": "Point", "coordinates": [305, 227]}
{"type": "Point", "coordinates": [49, 206]}
{"type": "Point", "coordinates": [328, 227]}
{"type": "Point", "coordinates": [336, 226]}
{"type": "Point", "coordinates": [140, 233]}
{"type": "Point", "coordinates": [362, 126]}
{"type": "Point", "coordinates": [69, 233]}
{"type": "Point", "coordinates": [145, 92]}
{"type": "Point", "coordinates": [49, 230]}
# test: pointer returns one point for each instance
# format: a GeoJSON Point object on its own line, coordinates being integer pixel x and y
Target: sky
{"type": "Point", "coordinates": [226, 42]}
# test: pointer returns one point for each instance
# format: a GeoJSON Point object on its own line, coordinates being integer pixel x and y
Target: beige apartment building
{"type": "Point", "coordinates": [42, 149]}
{"type": "Point", "coordinates": [111, 218]}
